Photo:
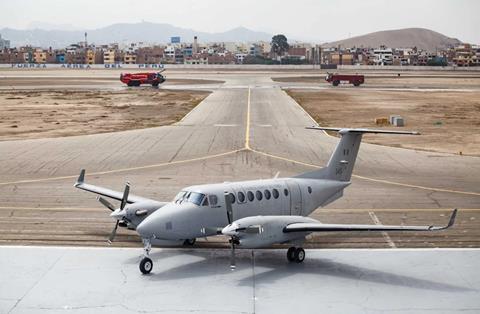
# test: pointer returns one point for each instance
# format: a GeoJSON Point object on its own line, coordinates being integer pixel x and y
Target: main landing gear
{"type": "Point", "coordinates": [295, 254]}
{"type": "Point", "coordinates": [146, 263]}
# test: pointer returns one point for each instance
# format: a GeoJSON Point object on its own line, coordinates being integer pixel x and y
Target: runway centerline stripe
{"type": "Point", "coordinates": [247, 124]}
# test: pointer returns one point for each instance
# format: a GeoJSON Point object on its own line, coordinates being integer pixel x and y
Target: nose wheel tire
{"type": "Point", "coordinates": [146, 265]}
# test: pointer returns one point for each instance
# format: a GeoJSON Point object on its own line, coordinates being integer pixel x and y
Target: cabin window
{"type": "Point", "coordinates": [275, 193]}
{"type": "Point", "coordinates": [310, 189]}
{"type": "Point", "coordinates": [285, 191]}
{"type": "Point", "coordinates": [241, 197]}
{"type": "Point", "coordinates": [232, 197]}
{"type": "Point", "coordinates": [267, 193]}
{"type": "Point", "coordinates": [250, 196]}
{"type": "Point", "coordinates": [259, 195]}
{"type": "Point", "coordinates": [213, 200]}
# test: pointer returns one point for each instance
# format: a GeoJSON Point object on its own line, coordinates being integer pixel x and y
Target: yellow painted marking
{"type": "Point", "coordinates": [372, 179]}
{"type": "Point", "coordinates": [125, 169]}
{"type": "Point", "coordinates": [51, 209]}
{"type": "Point", "coordinates": [392, 210]}
{"type": "Point", "coordinates": [247, 127]}
{"type": "Point", "coordinates": [319, 211]}
{"type": "Point", "coordinates": [416, 186]}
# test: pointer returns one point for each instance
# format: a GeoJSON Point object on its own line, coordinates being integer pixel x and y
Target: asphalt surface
{"type": "Point", "coordinates": [95, 280]}
{"type": "Point", "coordinates": [247, 128]}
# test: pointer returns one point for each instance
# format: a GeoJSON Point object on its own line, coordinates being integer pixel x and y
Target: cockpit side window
{"type": "Point", "coordinates": [205, 201]}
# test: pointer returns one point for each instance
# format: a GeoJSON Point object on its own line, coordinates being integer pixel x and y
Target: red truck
{"type": "Point", "coordinates": [137, 79]}
{"type": "Point", "coordinates": [336, 79]}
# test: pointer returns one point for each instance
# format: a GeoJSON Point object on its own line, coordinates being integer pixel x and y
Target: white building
{"type": "Point", "coordinates": [383, 56]}
{"type": "Point", "coordinates": [4, 43]}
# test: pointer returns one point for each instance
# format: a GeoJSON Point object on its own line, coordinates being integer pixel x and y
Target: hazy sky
{"type": "Point", "coordinates": [315, 20]}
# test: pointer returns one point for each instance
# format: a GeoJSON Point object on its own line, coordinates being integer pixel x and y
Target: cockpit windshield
{"type": "Point", "coordinates": [191, 197]}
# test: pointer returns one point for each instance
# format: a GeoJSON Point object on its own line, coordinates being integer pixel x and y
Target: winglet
{"type": "Point", "coordinates": [450, 222]}
{"type": "Point", "coordinates": [81, 178]}
{"type": "Point", "coordinates": [452, 218]}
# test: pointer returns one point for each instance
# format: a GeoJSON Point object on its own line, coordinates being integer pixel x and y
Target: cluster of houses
{"type": "Point", "coordinates": [236, 53]}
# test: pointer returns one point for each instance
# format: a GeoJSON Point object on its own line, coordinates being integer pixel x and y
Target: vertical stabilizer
{"type": "Point", "coordinates": [341, 163]}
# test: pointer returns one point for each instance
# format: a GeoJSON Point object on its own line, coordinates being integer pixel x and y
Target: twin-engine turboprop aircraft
{"type": "Point", "coordinates": [254, 214]}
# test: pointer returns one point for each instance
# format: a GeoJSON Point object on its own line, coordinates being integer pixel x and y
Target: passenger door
{"type": "Point", "coordinates": [295, 198]}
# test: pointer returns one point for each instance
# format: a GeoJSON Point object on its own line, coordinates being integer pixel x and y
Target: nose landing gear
{"type": "Point", "coordinates": [146, 264]}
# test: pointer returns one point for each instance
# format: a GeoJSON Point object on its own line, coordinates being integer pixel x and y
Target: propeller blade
{"type": "Point", "coordinates": [228, 205]}
{"type": "Point", "coordinates": [232, 254]}
{"type": "Point", "coordinates": [125, 195]}
{"type": "Point", "coordinates": [106, 203]}
{"type": "Point", "coordinates": [114, 233]}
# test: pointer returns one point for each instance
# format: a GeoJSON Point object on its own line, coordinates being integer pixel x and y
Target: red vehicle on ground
{"type": "Point", "coordinates": [336, 79]}
{"type": "Point", "coordinates": [137, 79]}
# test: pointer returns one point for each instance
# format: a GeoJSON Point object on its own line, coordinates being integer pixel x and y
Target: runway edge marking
{"type": "Point", "coordinates": [372, 179]}
{"type": "Point", "coordinates": [126, 169]}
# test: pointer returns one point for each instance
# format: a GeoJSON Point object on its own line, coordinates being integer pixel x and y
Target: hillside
{"type": "Point", "coordinates": [401, 38]}
{"type": "Point", "coordinates": [125, 32]}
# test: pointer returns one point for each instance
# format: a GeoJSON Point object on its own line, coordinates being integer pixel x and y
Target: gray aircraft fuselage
{"type": "Point", "coordinates": [199, 211]}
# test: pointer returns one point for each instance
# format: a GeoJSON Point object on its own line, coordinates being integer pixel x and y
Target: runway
{"type": "Point", "coordinates": [248, 128]}
{"type": "Point", "coordinates": [86, 280]}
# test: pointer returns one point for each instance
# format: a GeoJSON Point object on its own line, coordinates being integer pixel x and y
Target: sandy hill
{"type": "Point", "coordinates": [400, 38]}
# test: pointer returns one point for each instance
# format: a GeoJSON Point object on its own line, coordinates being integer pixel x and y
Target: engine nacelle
{"type": "Point", "coordinates": [137, 212]}
{"type": "Point", "coordinates": [262, 231]}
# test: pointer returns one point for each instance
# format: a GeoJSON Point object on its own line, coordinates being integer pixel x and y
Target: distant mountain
{"type": "Point", "coordinates": [125, 32]}
{"type": "Point", "coordinates": [400, 38]}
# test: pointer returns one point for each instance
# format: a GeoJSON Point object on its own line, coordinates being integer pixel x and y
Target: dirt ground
{"type": "Point", "coordinates": [81, 81]}
{"type": "Point", "coordinates": [405, 80]}
{"type": "Point", "coordinates": [449, 121]}
{"type": "Point", "coordinates": [32, 114]}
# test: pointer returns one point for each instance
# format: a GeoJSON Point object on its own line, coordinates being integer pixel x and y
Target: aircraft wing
{"type": "Point", "coordinates": [321, 227]}
{"type": "Point", "coordinates": [80, 184]}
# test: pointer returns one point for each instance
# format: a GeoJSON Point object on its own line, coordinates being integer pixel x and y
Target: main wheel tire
{"type": "Point", "coordinates": [291, 254]}
{"type": "Point", "coordinates": [356, 83]}
{"type": "Point", "coordinates": [335, 83]}
{"type": "Point", "coordinates": [155, 84]}
{"type": "Point", "coordinates": [189, 242]}
{"type": "Point", "coordinates": [130, 83]}
{"type": "Point", "coordinates": [299, 255]}
{"type": "Point", "coordinates": [146, 265]}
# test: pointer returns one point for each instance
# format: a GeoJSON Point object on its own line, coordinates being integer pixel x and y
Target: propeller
{"type": "Point", "coordinates": [233, 239]}
{"type": "Point", "coordinates": [117, 213]}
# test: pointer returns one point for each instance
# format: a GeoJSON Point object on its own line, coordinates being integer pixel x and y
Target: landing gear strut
{"type": "Point", "coordinates": [296, 254]}
{"type": "Point", "coordinates": [146, 263]}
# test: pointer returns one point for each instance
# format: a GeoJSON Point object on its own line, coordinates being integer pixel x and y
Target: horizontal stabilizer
{"type": "Point", "coordinates": [347, 130]}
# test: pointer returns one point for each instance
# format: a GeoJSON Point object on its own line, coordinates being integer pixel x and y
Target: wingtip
{"type": "Point", "coordinates": [452, 218]}
{"type": "Point", "coordinates": [81, 178]}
